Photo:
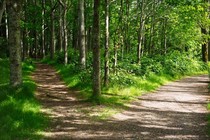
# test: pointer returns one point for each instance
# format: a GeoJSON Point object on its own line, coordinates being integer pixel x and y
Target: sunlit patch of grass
{"type": "Point", "coordinates": [104, 113]}
{"type": "Point", "coordinates": [20, 116]}
{"type": "Point", "coordinates": [101, 112]}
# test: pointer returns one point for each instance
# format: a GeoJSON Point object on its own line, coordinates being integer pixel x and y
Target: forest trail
{"type": "Point", "coordinates": [175, 111]}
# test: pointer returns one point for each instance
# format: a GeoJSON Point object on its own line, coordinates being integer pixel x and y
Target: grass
{"type": "Point", "coordinates": [20, 116]}
{"type": "Point", "coordinates": [124, 87]}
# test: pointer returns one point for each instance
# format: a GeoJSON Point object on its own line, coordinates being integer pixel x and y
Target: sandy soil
{"type": "Point", "coordinates": [176, 111]}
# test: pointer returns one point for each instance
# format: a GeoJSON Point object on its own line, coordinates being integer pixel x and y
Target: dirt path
{"type": "Point", "coordinates": [176, 111]}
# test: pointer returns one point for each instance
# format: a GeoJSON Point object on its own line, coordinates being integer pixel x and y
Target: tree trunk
{"type": "Point", "coordinates": [82, 45]}
{"type": "Point", "coordinates": [24, 35]}
{"type": "Point", "coordinates": [151, 31]}
{"type": "Point", "coordinates": [14, 14]}
{"type": "Point", "coordinates": [65, 32]}
{"type": "Point", "coordinates": [65, 44]}
{"type": "Point", "coordinates": [52, 29]}
{"type": "Point", "coordinates": [60, 40]}
{"type": "Point", "coordinates": [121, 29]}
{"type": "Point", "coordinates": [204, 47]}
{"type": "Point", "coordinates": [115, 54]}
{"type": "Point", "coordinates": [6, 22]}
{"type": "Point", "coordinates": [96, 51]}
{"type": "Point", "coordinates": [164, 38]}
{"type": "Point", "coordinates": [43, 29]}
{"type": "Point", "coordinates": [140, 33]}
{"type": "Point", "coordinates": [126, 36]}
{"type": "Point", "coordinates": [24, 40]}
{"type": "Point", "coordinates": [2, 9]}
{"type": "Point", "coordinates": [106, 65]}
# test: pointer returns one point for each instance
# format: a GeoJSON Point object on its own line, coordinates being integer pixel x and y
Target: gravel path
{"type": "Point", "coordinates": [176, 111]}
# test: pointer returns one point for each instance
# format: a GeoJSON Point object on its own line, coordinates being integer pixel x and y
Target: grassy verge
{"type": "Point", "coordinates": [20, 116]}
{"type": "Point", "coordinates": [129, 81]}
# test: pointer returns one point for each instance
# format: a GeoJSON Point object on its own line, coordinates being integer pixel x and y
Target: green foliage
{"type": "Point", "coordinates": [177, 63]}
{"type": "Point", "coordinates": [4, 73]}
{"type": "Point", "coordinates": [4, 50]}
{"type": "Point", "coordinates": [20, 116]}
{"type": "Point", "coordinates": [130, 80]}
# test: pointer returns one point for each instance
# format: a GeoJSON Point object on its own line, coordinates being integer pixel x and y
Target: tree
{"type": "Point", "coordinates": [63, 27]}
{"type": "Point", "coordinates": [106, 65]}
{"type": "Point", "coordinates": [52, 29]}
{"type": "Point", "coordinates": [205, 34]}
{"type": "Point", "coordinates": [2, 8]}
{"type": "Point", "coordinates": [141, 31]}
{"type": "Point", "coordinates": [35, 31]}
{"type": "Point", "coordinates": [65, 44]}
{"type": "Point", "coordinates": [96, 51]}
{"type": "Point", "coordinates": [82, 45]}
{"type": "Point", "coordinates": [43, 29]}
{"type": "Point", "coordinates": [14, 15]}
{"type": "Point", "coordinates": [204, 46]}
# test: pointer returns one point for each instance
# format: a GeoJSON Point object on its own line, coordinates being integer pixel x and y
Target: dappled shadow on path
{"type": "Point", "coordinates": [175, 111]}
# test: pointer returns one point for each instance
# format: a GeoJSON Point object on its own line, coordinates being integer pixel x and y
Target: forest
{"type": "Point", "coordinates": [107, 53]}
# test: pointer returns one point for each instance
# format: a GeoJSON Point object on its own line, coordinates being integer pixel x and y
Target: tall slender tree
{"type": "Point", "coordinates": [60, 38]}
{"type": "Point", "coordinates": [106, 65]}
{"type": "Point", "coordinates": [82, 44]}
{"type": "Point", "coordinates": [141, 31]}
{"type": "Point", "coordinates": [43, 29]}
{"type": "Point", "coordinates": [204, 46]}
{"type": "Point", "coordinates": [14, 15]}
{"type": "Point", "coordinates": [35, 32]}
{"type": "Point", "coordinates": [65, 43]}
{"type": "Point", "coordinates": [205, 33]}
{"type": "Point", "coordinates": [52, 29]}
{"type": "Point", "coordinates": [63, 28]}
{"type": "Point", "coordinates": [2, 8]}
{"type": "Point", "coordinates": [96, 51]}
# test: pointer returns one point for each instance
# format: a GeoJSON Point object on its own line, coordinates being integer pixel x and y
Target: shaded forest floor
{"type": "Point", "coordinates": [175, 111]}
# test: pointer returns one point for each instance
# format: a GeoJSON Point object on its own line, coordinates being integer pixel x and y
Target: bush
{"type": "Point", "coordinates": [173, 64]}
{"type": "Point", "coordinates": [177, 63]}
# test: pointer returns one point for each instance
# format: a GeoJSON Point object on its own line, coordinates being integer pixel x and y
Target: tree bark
{"type": "Point", "coordinates": [60, 41]}
{"type": "Point", "coordinates": [96, 52]}
{"type": "Point", "coordinates": [52, 29]}
{"type": "Point", "coordinates": [204, 47]}
{"type": "Point", "coordinates": [2, 9]}
{"type": "Point", "coordinates": [164, 37]}
{"type": "Point", "coordinates": [14, 14]}
{"type": "Point", "coordinates": [35, 32]}
{"type": "Point", "coordinates": [43, 29]}
{"type": "Point", "coordinates": [140, 33]}
{"type": "Point", "coordinates": [65, 32]}
{"type": "Point", "coordinates": [65, 44]}
{"type": "Point", "coordinates": [24, 32]}
{"type": "Point", "coordinates": [106, 55]}
{"type": "Point", "coordinates": [82, 44]}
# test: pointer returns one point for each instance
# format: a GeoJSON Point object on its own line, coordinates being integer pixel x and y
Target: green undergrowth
{"type": "Point", "coordinates": [20, 116]}
{"type": "Point", "coordinates": [130, 80]}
